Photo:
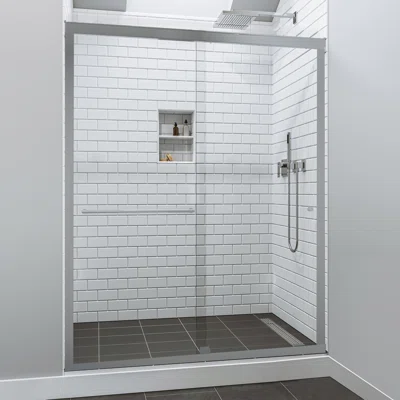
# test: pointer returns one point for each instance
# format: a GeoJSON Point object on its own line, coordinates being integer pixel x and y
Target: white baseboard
{"type": "Point", "coordinates": [355, 383]}
{"type": "Point", "coordinates": [133, 380]}
{"type": "Point", "coordinates": [146, 379]}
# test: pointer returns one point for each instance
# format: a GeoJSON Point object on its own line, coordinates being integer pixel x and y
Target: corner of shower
{"type": "Point", "coordinates": [177, 224]}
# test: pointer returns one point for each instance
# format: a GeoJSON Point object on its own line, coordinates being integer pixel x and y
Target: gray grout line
{"type": "Point", "coordinates": [188, 334]}
{"type": "Point", "coordinates": [233, 334]}
{"type": "Point", "coordinates": [145, 397]}
{"type": "Point", "coordinates": [216, 391]}
{"type": "Point", "coordinates": [289, 391]}
{"type": "Point", "coordinates": [148, 348]}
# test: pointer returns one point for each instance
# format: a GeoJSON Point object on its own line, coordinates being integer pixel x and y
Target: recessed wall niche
{"type": "Point", "coordinates": [176, 148]}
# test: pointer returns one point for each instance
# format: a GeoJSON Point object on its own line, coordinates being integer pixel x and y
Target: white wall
{"type": "Point", "coordinates": [364, 193]}
{"type": "Point", "coordinates": [31, 189]}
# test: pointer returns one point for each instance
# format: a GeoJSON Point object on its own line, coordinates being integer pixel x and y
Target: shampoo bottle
{"type": "Point", "coordinates": [176, 130]}
{"type": "Point", "coordinates": [186, 128]}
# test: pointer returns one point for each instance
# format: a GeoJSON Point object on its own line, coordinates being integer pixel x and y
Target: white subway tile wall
{"type": "Point", "coordinates": [294, 110]}
{"type": "Point", "coordinates": [213, 262]}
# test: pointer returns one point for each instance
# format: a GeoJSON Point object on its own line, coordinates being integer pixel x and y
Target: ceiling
{"type": "Point", "coordinates": [190, 8]}
{"type": "Point", "coordinates": [209, 9]}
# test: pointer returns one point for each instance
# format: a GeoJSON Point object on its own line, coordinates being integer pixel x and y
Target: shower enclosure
{"type": "Point", "coordinates": [178, 246]}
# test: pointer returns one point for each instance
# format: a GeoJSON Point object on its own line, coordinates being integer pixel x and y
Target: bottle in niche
{"type": "Point", "coordinates": [186, 128]}
{"type": "Point", "coordinates": [176, 130]}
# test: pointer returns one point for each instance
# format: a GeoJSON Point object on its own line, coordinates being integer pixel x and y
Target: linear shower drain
{"type": "Point", "coordinates": [282, 332]}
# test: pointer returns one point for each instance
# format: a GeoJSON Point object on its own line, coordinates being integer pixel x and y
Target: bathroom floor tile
{"type": "Point", "coordinates": [169, 337]}
{"type": "Point", "coordinates": [124, 357]}
{"type": "Point", "coordinates": [137, 396]}
{"type": "Point", "coordinates": [163, 329]}
{"type": "Point", "coordinates": [319, 389]}
{"type": "Point", "coordinates": [119, 324]}
{"type": "Point", "coordinates": [161, 321]}
{"type": "Point", "coordinates": [121, 339]}
{"type": "Point", "coordinates": [187, 345]}
{"type": "Point", "coordinates": [195, 394]}
{"type": "Point", "coordinates": [267, 391]}
{"type": "Point", "coordinates": [307, 389]}
{"type": "Point", "coordinates": [124, 349]}
{"type": "Point", "coordinates": [129, 330]}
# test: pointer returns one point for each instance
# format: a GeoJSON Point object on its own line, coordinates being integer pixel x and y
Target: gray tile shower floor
{"type": "Point", "coordinates": [306, 389]}
{"type": "Point", "coordinates": [142, 339]}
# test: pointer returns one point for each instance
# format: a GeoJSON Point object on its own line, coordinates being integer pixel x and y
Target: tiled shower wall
{"type": "Point", "coordinates": [294, 110]}
{"type": "Point", "coordinates": [214, 261]}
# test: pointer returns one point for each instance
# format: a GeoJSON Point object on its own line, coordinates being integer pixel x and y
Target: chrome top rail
{"type": "Point", "coordinates": [189, 210]}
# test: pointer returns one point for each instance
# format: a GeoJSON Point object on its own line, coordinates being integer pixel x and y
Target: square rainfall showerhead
{"type": "Point", "coordinates": [233, 20]}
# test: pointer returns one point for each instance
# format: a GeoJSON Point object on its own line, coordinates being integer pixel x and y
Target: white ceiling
{"type": "Point", "coordinates": [209, 9]}
{"type": "Point", "coordinates": [192, 8]}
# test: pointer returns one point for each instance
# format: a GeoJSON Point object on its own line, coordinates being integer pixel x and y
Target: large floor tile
{"type": "Point", "coordinates": [84, 333]}
{"type": "Point", "coordinates": [193, 327]}
{"type": "Point", "coordinates": [211, 334]}
{"type": "Point", "coordinates": [267, 391]}
{"type": "Point", "coordinates": [86, 325]}
{"type": "Point", "coordinates": [256, 331]}
{"type": "Point", "coordinates": [86, 360]}
{"type": "Point", "coordinates": [247, 324]}
{"type": "Point", "coordinates": [160, 321]}
{"type": "Point", "coordinates": [255, 342]}
{"type": "Point", "coordinates": [86, 341]}
{"type": "Point", "coordinates": [163, 329]}
{"type": "Point", "coordinates": [121, 339]}
{"type": "Point", "coordinates": [119, 324]}
{"type": "Point", "coordinates": [167, 337]}
{"type": "Point", "coordinates": [86, 351]}
{"type": "Point", "coordinates": [172, 346]}
{"type": "Point", "coordinates": [200, 320]}
{"type": "Point", "coordinates": [319, 389]}
{"type": "Point", "coordinates": [230, 342]}
{"type": "Point", "coordinates": [240, 317]}
{"type": "Point", "coordinates": [138, 396]}
{"type": "Point", "coordinates": [127, 330]}
{"type": "Point", "coordinates": [175, 353]}
{"type": "Point", "coordinates": [133, 348]}
{"type": "Point", "coordinates": [124, 357]}
{"type": "Point", "coordinates": [195, 394]}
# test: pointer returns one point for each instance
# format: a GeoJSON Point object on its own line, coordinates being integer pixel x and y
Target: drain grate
{"type": "Point", "coordinates": [282, 332]}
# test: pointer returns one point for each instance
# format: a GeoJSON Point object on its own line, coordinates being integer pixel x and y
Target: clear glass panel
{"type": "Point", "coordinates": [255, 292]}
{"type": "Point", "coordinates": [181, 232]}
{"type": "Point", "coordinates": [294, 111]}
{"type": "Point", "coordinates": [233, 190]}
{"type": "Point", "coordinates": [135, 195]}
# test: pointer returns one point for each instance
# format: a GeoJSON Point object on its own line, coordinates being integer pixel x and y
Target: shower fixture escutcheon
{"type": "Point", "coordinates": [285, 168]}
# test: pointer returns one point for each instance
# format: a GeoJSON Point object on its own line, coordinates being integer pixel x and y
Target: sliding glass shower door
{"type": "Point", "coordinates": [178, 213]}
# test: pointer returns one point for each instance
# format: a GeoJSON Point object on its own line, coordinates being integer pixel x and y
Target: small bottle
{"type": "Point", "coordinates": [176, 130]}
{"type": "Point", "coordinates": [186, 128]}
